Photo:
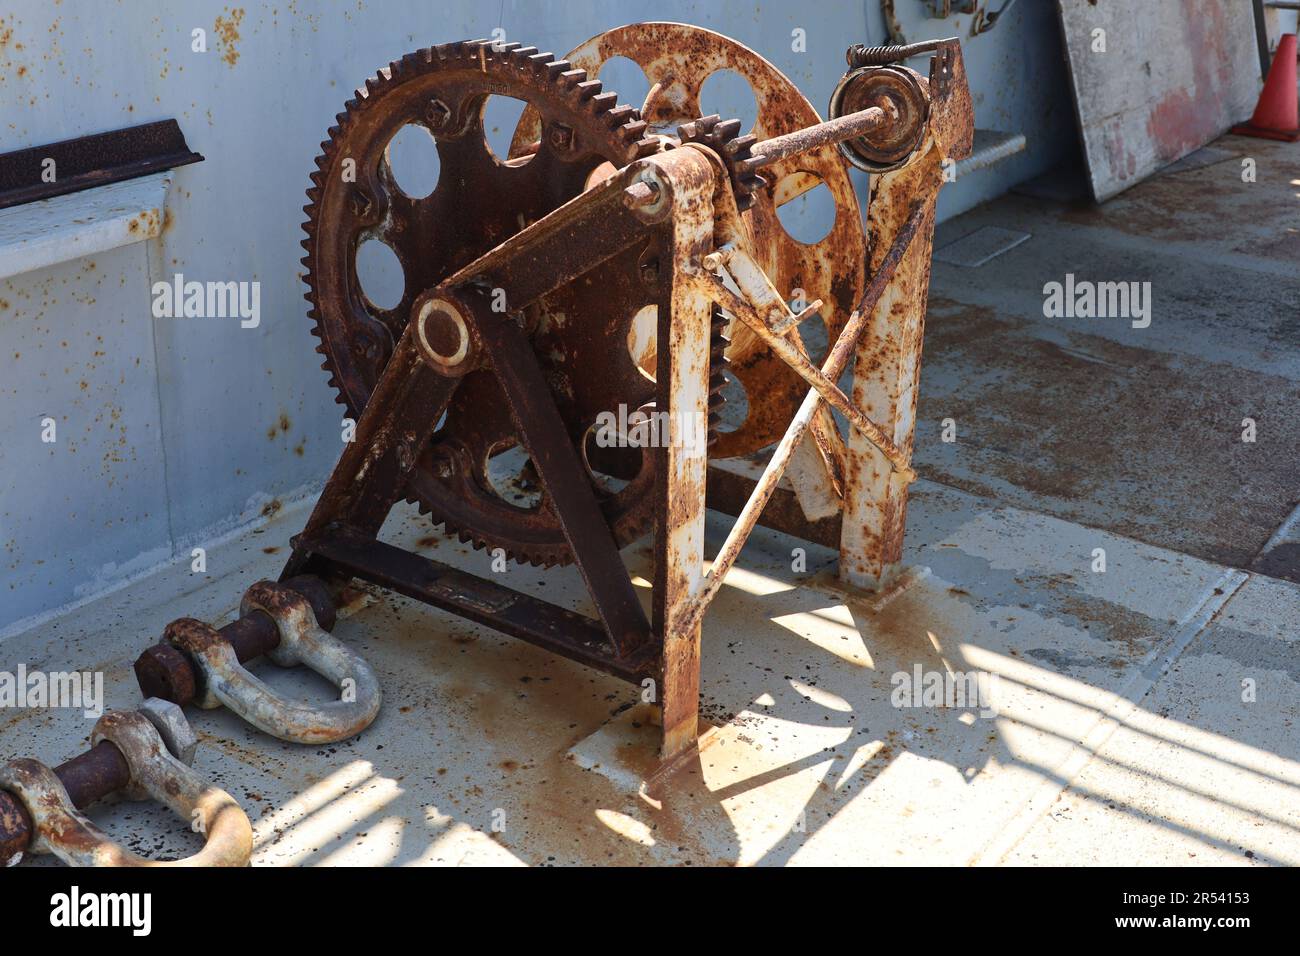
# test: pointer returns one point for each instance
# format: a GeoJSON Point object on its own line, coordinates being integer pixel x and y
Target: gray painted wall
{"type": "Point", "coordinates": [172, 430]}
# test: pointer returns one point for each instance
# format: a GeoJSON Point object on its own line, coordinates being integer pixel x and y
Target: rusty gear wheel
{"type": "Point", "coordinates": [677, 59]}
{"type": "Point", "coordinates": [577, 332]}
{"type": "Point", "coordinates": [736, 151]}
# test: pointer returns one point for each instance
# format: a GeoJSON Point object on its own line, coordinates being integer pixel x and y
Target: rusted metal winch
{"type": "Point", "coordinates": [619, 260]}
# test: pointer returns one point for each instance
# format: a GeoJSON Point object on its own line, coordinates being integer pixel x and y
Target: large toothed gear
{"type": "Point", "coordinates": [481, 200]}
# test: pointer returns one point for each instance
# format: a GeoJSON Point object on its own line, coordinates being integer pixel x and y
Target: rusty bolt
{"type": "Point", "coordinates": [361, 202]}
{"type": "Point", "coordinates": [15, 829]}
{"type": "Point", "coordinates": [640, 194]}
{"type": "Point", "coordinates": [437, 114]}
{"type": "Point", "coordinates": [162, 671]}
{"type": "Point", "coordinates": [650, 271]}
{"type": "Point", "coordinates": [175, 731]}
{"type": "Point", "coordinates": [561, 138]}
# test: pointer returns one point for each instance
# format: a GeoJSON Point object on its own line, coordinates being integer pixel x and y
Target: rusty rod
{"type": "Point", "coordinates": [836, 361]}
{"type": "Point", "coordinates": [822, 382]}
{"type": "Point", "coordinates": [833, 131]}
{"type": "Point", "coordinates": [88, 777]}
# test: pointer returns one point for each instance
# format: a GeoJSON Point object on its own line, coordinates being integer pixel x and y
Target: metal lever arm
{"type": "Point", "coordinates": [568, 486]}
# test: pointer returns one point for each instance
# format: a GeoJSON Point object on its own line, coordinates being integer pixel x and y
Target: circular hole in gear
{"type": "Point", "coordinates": [729, 94]}
{"type": "Point", "coordinates": [808, 217]}
{"type": "Point", "coordinates": [380, 273]}
{"type": "Point", "coordinates": [412, 156]}
{"type": "Point", "coordinates": [500, 119]}
{"type": "Point", "coordinates": [513, 478]}
{"type": "Point", "coordinates": [624, 76]}
{"type": "Point", "coordinates": [643, 341]}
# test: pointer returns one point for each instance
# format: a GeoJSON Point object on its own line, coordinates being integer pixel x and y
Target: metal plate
{"type": "Point", "coordinates": [1172, 77]}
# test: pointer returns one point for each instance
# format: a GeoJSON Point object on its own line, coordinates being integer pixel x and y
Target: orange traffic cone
{"type": "Point", "coordinates": [1276, 115]}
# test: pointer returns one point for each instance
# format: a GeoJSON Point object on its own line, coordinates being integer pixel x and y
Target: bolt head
{"type": "Point", "coordinates": [561, 137]}
{"type": "Point", "coordinates": [163, 671]}
{"type": "Point", "coordinates": [437, 114]}
{"type": "Point", "coordinates": [175, 731]}
{"type": "Point", "coordinates": [361, 203]}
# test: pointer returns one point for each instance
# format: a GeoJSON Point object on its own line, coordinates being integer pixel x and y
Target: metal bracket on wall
{"type": "Point", "coordinates": [68, 166]}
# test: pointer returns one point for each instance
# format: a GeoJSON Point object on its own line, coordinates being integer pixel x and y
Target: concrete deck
{"type": "Point", "coordinates": [1120, 732]}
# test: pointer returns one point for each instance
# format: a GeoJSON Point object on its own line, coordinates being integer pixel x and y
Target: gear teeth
{"type": "Point", "coordinates": [718, 377]}
{"type": "Point", "coordinates": [620, 115]}
{"type": "Point", "coordinates": [632, 131]}
{"type": "Point", "coordinates": [409, 63]}
{"type": "Point", "coordinates": [573, 78]}
{"type": "Point", "coordinates": [740, 143]}
{"type": "Point", "coordinates": [727, 130]}
{"type": "Point", "coordinates": [735, 151]}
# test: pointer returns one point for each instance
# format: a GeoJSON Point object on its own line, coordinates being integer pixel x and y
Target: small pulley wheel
{"type": "Point", "coordinates": [897, 90]}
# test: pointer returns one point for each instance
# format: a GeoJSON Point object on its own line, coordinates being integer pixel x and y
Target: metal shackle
{"type": "Point", "coordinates": [224, 681]}
{"type": "Point", "coordinates": [155, 774]}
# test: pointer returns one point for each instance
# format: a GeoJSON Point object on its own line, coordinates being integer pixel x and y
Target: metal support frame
{"type": "Point", "coordinates": [340, 541]}
{"type": "Point", "coordinates": [886, 332]}
{"type": "Point", "coordinates": [683, 386]}
{"type": "Point", "coordinates": [682, 202]}
{"type": "Point", "coordinates": [887, 369]}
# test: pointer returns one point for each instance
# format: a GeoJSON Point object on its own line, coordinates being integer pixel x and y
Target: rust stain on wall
{"type": "Point", "coordinates": [227, 31]}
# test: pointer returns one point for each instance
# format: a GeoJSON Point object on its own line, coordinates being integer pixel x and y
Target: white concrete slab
{"type": "Point", "coordinates": [45, 233]}
{"type": "Point", "coordinates": [491, 751]}
{"type": "Point", "coordinates": [1207, 770]}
